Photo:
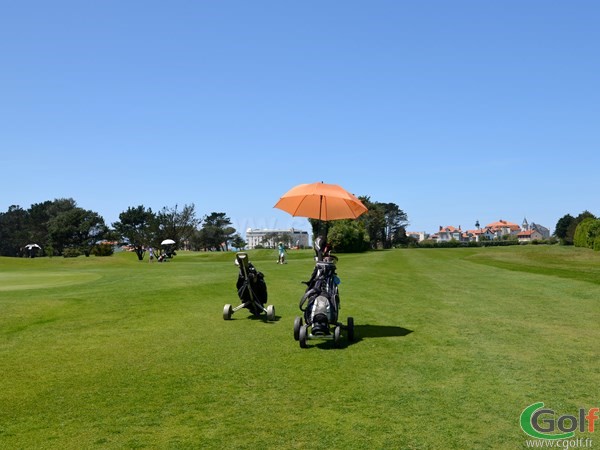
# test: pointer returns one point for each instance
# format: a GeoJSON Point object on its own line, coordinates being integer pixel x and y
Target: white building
{"type": "Point", "coordinates": [481, 234]}
{"type": "Point", "coordinates": [530, 235]}
{"type": "Point", "coordinates": [543, 231]}
{"type": "Point", "coordinates": [255, 237]}
{"type": "Point", "coordinates": [449, 233]}
{"type": "Point", "coordinates": [504, 228]}
{"type": "Point", "coordinates": [418, 235]}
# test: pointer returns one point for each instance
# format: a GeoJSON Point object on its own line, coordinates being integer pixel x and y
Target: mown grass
{"type": "Point", "coordinates": [452, 344]}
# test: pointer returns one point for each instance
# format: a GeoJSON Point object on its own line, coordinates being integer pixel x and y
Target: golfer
{"type": "Point", "coordinates": [282, 252]}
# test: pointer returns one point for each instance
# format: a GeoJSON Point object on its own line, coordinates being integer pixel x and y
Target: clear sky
{"type": "Point", "coordinates": [457, 111]}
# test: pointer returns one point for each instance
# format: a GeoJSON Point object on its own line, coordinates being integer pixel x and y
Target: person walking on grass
{"type": "Point", "coordinates": [282, 252]}
{"type": "Point", "coordinates": [151, 254]}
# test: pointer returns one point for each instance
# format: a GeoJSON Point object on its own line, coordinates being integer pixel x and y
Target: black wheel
{"type": "Point", "coordinates": [337, 333]}
{"type": "Point", "coordinates": [351, 329]}
{"type": "Point", "coordinates": [270, 312]}
{"type": "Point", "coordinates": [303, 336]}
{"type": "Point", "coordinates": [297, 325]}
{"type": "Point", "coordinates": [227, 312]}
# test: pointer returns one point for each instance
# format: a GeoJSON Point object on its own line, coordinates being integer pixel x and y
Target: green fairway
{"type": "Point", "coordinates": [451, 346]}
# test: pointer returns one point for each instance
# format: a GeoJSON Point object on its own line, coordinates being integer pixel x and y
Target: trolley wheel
{"type": "Point", "coordinates": [337, 333]}
{"type": "Point", "coordinates": [351, 329]}
{"type": "Point", "coordinates": [227, 312]}
{"type": "Point", "coordinates": [270, 312]}
{"type": "Point", "coordinates": [303, 336]}
{"type": "Point", "coordinates": [297, 325]}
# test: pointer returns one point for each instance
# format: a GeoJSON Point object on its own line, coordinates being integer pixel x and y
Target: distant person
{"type": "Point", "coordinates": [282, 252]}
{"type": "Point", "coordinates": [151, 253]}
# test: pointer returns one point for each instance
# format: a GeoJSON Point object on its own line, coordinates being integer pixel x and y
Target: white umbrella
{"type": "Point", "coordinates": [30, 246]}
{"type": "Point", "coordinates": [167, 242]}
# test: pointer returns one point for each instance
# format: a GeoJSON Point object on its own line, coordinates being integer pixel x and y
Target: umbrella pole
{"type": "Point", "coordinates": [320, 209]}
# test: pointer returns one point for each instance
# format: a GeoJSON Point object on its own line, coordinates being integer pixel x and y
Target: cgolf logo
{"type": "Point", "coordinates": [541, 423]}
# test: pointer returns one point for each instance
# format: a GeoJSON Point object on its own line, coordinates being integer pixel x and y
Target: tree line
{"type": "Point", "coordinates": [62, 228]}
{"type": "Point", "coordinates": [382, 226]}
{"type": "Point", "coordinates": [580, 231]}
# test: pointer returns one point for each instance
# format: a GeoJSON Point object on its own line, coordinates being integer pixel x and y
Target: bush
{"type": "Point", "coordinates": [593, 233]}
{"type": "Point", "coordinates": [71, 252]}
{"type": "Point", "coordinates": [453, 243]}
{"type": "Point", "coordinates": [496, 243]}
{"type": "Point", "coordinates": [428, 243]}
{"type": "Point", "coordinates": [586, 233]}
{"type": "Point", "coordinates": [103, 250]}
{"type": "Point", "coordinates": [348, 236]}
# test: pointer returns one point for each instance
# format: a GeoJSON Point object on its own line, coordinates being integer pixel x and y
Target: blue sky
{"type": "Point", "coordinates": [457, 111]}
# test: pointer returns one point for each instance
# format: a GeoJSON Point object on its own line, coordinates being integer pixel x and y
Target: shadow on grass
{"type": "Point", "coordinates": [375, 331]}
{"type": "Point", "coordinates": [365, 332]}
{"type": "Point", "coordinates": [263, 318]}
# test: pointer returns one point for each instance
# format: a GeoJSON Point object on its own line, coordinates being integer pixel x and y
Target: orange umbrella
{"type": "Point", "coordinates": [321, 201]}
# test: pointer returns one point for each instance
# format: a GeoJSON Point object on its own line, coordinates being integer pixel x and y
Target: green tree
{"type": "Point", "coordinates": [76, 229]}
{"type": "Point", "coordinates": [348, 236]}
{"type": "Point", "coordinates": [136, 226]}
{"type": "Point", "coordinates": [205, 238]}
{"type": "Point", "coordinates": [238, 242]}
{"type": "Point", "coordinates": [385, 223]}
{"type": "Point", "coordinates": [37, 221]}
{"type": "Point", "coordinates": [562, 228]}
{"type": "Point", "coordinates": [40, 216]}
{"type": "Point", "coordinates": [586, 232]}
{"type": "Point", "coordinates": [177, 225]}
{"type": "Point", "coordinates": [13, 231]}
{"type": "Point", "coordinates": [228, 232]}
{"type": "Point", "coordinates": [216, 231]}
{"type": "Point", "coordinates": [594, 235]}
{"type": "Point", "coordinates": [374, 221]}
{"type": "Point", "coordinates": [395, 225]}
{"type": "Point", "coordinates": [92, 231]}
{"type": "Point", "coordinates": [55, 225]}
{"type": "Point", "coordinates": [573, 225]}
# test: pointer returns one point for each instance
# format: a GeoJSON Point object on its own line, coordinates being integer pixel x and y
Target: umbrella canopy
{"type": "Point", "coordinates": [167, 242]}
{"type": "Point", "coordinates": [321, 201]}
{"type": "Point", "coordinates": [30, 246]}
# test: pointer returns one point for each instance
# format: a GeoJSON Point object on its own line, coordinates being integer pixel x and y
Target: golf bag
{"type": "Point", "coordinates": [252, 290]}
{"type": "Point", "coordinates": [251, 286]}
{"type": "Point", "coordinates": [321, 301]}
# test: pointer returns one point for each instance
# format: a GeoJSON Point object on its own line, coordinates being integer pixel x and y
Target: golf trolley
{"type": "Point", "coordinates": [321, 303]}
{"type": "Point", "coordinates": [252, 290]}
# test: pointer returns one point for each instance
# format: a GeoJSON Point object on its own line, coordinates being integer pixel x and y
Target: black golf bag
{"type": "Point", "coordinates": [251, 287]}
{"type": "Point", "coordinates": [252, 290]}
{"type": "Point", "coordinates": [321, 301]}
